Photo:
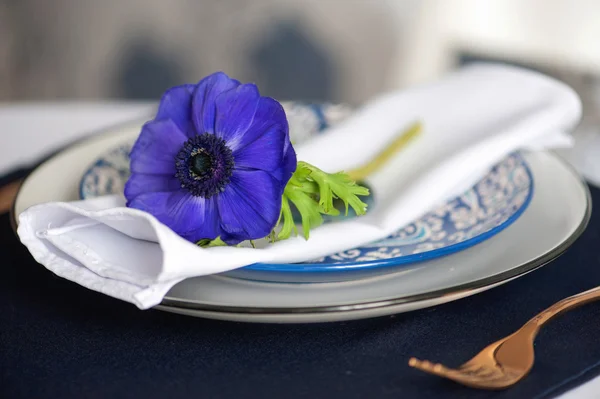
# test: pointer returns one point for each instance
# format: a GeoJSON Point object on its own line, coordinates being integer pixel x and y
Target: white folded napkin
{"type": "Point", "coordinates": [472, 119]}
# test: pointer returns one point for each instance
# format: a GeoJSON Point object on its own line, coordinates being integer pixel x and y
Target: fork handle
{"type": "Point", "coordinates": [562, 306]}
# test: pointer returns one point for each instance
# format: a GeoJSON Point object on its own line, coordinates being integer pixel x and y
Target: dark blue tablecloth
{"type": "Point", "coordinates": [59, 340]}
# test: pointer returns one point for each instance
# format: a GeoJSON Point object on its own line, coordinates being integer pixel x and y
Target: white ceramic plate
{"type": "Point", "coordinates": [557, 214]}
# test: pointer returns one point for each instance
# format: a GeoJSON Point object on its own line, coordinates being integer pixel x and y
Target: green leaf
{"type": "Point", "coordinates": [309, 209]}
{"type": "Point", "coordinates": [312, 192]}
{"type": "Point", "coordinates": [288, 220]}
{"type": "Point", "coordinates": [337, 185]}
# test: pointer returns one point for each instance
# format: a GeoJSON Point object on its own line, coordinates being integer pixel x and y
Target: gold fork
{"type": "Point", "coordinates": [507, 361]}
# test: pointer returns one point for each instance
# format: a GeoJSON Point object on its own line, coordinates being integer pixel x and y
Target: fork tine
{"type": "Point", "coordinates": [428, 367]}
{"type": "Point", "coordinates": [474, 376]}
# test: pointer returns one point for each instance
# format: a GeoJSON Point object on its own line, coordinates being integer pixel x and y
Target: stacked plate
{"type": "Point", "coordinates": [526, 211]}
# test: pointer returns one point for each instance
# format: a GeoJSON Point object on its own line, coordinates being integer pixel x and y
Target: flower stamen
{"type": "Point", "coordinates": [204, 165]}
{"type": "Point", "coordinates": [201, 164]}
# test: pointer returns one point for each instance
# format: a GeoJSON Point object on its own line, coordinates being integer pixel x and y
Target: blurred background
{"type": "Point", "coordinates": [314, 50]}
{"type": "Point", "coordinates": [333, 50]}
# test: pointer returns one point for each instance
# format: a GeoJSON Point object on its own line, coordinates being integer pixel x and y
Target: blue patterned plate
{"type": "Point", "coordinates": [490, 206]}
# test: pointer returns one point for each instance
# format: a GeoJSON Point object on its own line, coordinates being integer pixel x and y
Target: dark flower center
{"type": "Point", "coordinates": [201, 163]}
{"type": "Point", "coordinates": [204, 165]}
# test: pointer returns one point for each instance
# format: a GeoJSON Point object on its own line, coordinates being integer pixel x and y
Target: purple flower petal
{"type": "Point", "coordinates": [265, 153]}
{"type": "Point", "coordinates": [250, 205]}
{"type": "Point", "coordinates": [263, 144]}
{"type": "Point", "coordinates": [289, 158]}
{"type": "Point", "coordinates": [288, 166]}
{"type": "Point", "coordinates": [176, 104]}
{"type": "Point", "coordinates": [235, 113]}
{"type": "Point", "coordinates": [209, 228]}
{"type": "Point", "coordinates": [269, 113]}
{"type": "Point", "coordinates": [140, 183]}
{"type": "Point", "coordinates": [203, 103]}
{"type": "Point", "coordinates": [192, 217]}
{"type": "Point", "coordinates": [155, 149]}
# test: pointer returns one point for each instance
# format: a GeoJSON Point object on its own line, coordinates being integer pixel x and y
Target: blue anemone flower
{"type": "Point", "coordinates": [214, 161]}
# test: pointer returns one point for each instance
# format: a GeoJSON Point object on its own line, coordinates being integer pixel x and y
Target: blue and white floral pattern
{"type": "Point", "coordinates": [482, 211]}
{"type": "Point", "coordinates": [108, 174]}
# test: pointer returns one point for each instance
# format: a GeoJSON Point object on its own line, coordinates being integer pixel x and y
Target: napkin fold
{"type": "Point", "coordinates": [472, 119]}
